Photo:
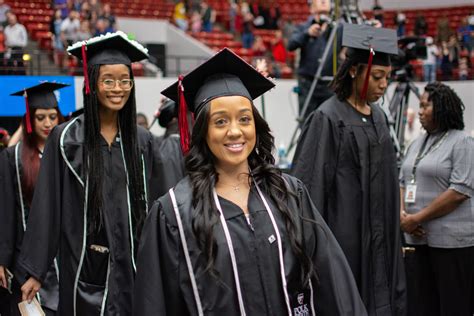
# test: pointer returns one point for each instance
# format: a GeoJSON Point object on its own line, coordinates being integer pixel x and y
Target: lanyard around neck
{"type": "Point", "coordinates": [422, 153]}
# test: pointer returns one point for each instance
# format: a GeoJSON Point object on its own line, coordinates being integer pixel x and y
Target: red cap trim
{"type": "Point", "coordinates": [185, 137]}
{"type": "Point", "coordinates": [363, 93]}
{"type": "Point", "coordinates": [84, 68]}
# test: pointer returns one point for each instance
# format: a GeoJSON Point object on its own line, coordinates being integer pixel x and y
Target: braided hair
{"type": "Point", "coordinates": [447, 106]}
{"type": "Point", "coordinates": [93, 156]}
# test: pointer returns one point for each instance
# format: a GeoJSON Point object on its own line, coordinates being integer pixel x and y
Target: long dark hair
{"type": "Point", "coordinates": [200, 164]}
{"type": "Point", "coordinates": [30, 155]}
{"type": "Point", "coordinates": [93, 156]}
{"type": "Point", "coordinates": [447, 106]}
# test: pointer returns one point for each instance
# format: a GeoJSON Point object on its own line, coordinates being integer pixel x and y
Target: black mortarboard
{"type": "Point", "coordinates": [360, 39]}
{"type": "Point", "coordinates": [167, 112]}
{"type": "Point", "coordinates": [224, 74]}
{"type": "Point", "coordinates": [369, 45]}
{"type": "Point", "coordinates": [110, 49]}
{"type": "Point", "coordinates": [40, 96]}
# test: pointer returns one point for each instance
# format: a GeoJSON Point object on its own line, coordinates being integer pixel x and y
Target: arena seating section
{"type": "Point", "coordinates": [36, 16]}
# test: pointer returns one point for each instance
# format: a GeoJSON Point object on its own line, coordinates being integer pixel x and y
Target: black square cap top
{"type": "Point", "coordinates": [224, 74]}
{"type": "Point", "coordinates": [41, 96]}
{"type": "Point", "coordinates": [362, 38]}
{"type": "Point", "coordinates": [110, 49]}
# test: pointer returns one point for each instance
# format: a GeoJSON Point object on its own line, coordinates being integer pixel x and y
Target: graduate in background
{"type": "Point", "coordinates": [236, 237]}
{"type": "Point", "coordinates": [170, 160]}
{"type": "Point", "coordinates": [19, 167]}
{"type": "Point", "coordinates": [92, 190]}
{"type": "Point", "coordinates": [346, 158]}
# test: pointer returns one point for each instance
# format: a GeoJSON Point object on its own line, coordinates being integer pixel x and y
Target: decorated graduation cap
{"type": "Point", "coordinates": [224, 74]}
{"type": "Point", "coordinates": [40, 96]}
{"type": "Point", "coordinates": [369, 45]}
{"type": "Point", "coordinates": [110, 49]}
{"type": "Point", "coordinates": [167, 112]}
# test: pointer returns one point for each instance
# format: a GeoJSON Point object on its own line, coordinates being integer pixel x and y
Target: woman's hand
{"type": "Point", "coordinates": [410, 225]}
{"type": "Point", "coordinates": [3, 277]}
{"type": "Point", "coordinates": [29, 289]}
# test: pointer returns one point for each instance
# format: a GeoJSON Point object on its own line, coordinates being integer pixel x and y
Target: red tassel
{"type": "Point", "coordinates": [363, 93]}
{"type": "Point", "coordinates": [84, 68]}
{"type": "Point", "coordinates": [185, 137]}
{"type": "Point", "coordinates": [29, 130]}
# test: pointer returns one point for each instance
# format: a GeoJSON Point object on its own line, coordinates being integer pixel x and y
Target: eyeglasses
{"type": "Point", "coordinates": [124, 84]}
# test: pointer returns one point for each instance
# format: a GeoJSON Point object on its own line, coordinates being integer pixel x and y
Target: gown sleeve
{"type": "Point", "coordinates": [41, 239]}
{"type": "Point", "coordinates": [315, 159]}
{"type": "Point", "coordinates": [336, 291]}
{"type": "Point", "coordinates": [157, 280]}
{"type": "Point", "coordinates": [7, 210]}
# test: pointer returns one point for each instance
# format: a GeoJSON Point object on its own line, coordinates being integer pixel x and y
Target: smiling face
{"type": "Point", "coordinates": [112, 99]}
{"type": "Point", "coordinates": [378, 80]}
{"type": "Point", "coordinates": [44, 121]}
{"type": "Point", "coordinates": [231, 134]}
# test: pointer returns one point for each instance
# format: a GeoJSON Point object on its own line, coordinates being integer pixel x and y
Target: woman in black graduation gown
{"type": "Point", "coordinates": [170, 161]}
{"type": "Point", "coordinates": [19, 166]}
{"type": "Point", "coordinates": [236, 237]}
{"type": "Point", "coordinates": [346, 158]}
{"type": "Point", "coordinates": [92, 189]}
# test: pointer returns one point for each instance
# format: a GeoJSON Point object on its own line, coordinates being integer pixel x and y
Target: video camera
{"type": "Point", "coordinates": [409, 48]}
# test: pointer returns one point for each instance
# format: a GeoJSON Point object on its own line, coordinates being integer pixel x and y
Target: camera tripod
{"type": "Point", "coordinates": [342, 10]}
{"type": "Point", "coordinates": [397, 110]}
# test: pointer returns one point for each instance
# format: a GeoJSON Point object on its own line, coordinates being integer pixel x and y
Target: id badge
{"type": "Point", "coordinates": [410, 193]}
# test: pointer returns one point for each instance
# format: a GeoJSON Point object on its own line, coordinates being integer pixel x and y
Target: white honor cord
{"type": "Point", "coordinates": [280, 249]}
{"type": "Point", "coordinates": [231, 252]}
{"type": "Point", "coordinates": [186, 253]}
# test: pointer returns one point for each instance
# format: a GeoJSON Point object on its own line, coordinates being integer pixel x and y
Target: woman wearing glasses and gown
{"type": "Point", "coordinates": [92, 192]}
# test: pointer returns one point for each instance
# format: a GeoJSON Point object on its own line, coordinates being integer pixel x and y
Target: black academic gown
{"type": "Point", "coordinates": [169, 162]}
{"type": "Point", "coordinates": [163, 284]}
{"type": "Point", "coordinates": [57, 224]}
{"type": "Point", "coordinates": [347, 161]}
{"type": "Point", "coordinates": [14, 212]}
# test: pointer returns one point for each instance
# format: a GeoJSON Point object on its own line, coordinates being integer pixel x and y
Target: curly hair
{"type": "Point", "coordinates": [200, 166]}
{"type": "Point", "coordinates": [447, 106]}
{"type": "Point", "coordinates": [342, 82]}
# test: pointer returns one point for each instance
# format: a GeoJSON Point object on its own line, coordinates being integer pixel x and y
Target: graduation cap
{"type": "Point", "coordinates": [110, 49]}
{"type": "Point", "coordinates": [40, 96]}
{"type": "Point", "coordinates": [167, 112]}
{"type": "Point", "coordinates": [224, 74]}
{"type": "Point", "coordinates": [369, 45]}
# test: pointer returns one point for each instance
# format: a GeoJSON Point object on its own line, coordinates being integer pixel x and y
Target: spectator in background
{"type": "Point", "coordinates": [62, 5]}
{"type": "Point", "coordinates": [443, 31]}
{"type": "Point", "coordinates": [179, 16]}
{"type": "Point", "coordinates": [95, 6]}
{"type": "Point", "coordinates": [272, 20]}
{"type": "Point", "coordinates": [446, 62]}
{"type": "Point", "coordinates": [464, 68]}
{"type": "Point", "coordinates": [421, 26]}
{"type": "Point", "coordinates": [108, 15]}
{"type": "Point", "coordinates": [16, 39]}
{"type": "Point", "coordinates": [196, 22]}
{"type": "Point", "coordinates": [400, 21]}
{"type": "Point", "coordinates": [58, 46]}
{"type": "Point", "coordinates": [247, 30]}
{"type": "Point", "coordinates": [4, 8]}
{"type": "Point", "coordinates": [429, 64]}
{"type": "Point", "coordinates": [259, 48]}
{"type": "Point", "coordinates": [101, 27]}
{"type": "Point", "coordinates": [465, 34]}
{"type": "Point", "coordinates": [2, 53]}
{"type": "Point", "coordinates": [208, 16]}
{"type": "Point", "coordinates": [85, 12]}
{"type": "Point", "coordinates": [470, 19]}
{"type": "Point", "coordinates": [76, 5]}
{"type": "Point", "coordinates": [378, 12]}
{"type": "Point", "coordinates": [69, 28]}
{"type": "Point", "coordinates": [84, 32]}
{"type": "Point", "coordinates": [454, 49]}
